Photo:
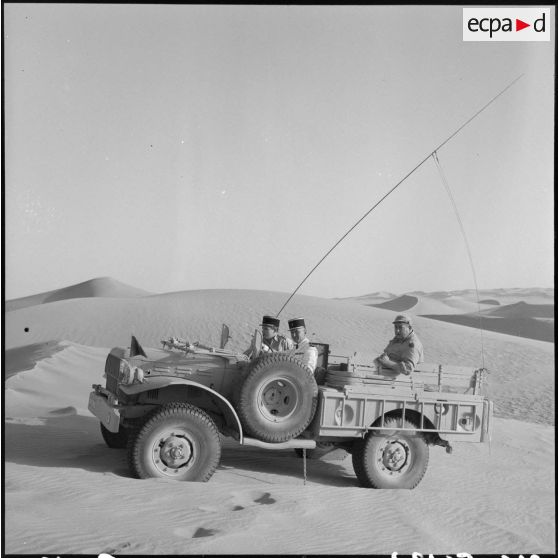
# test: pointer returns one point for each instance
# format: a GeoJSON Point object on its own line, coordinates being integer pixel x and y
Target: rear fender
{"type": "Point", "coordinates": [431, 438]}
{"type": "Point", "coordinates": [162, 382]}
{"type": "Point", "coordinates": [410, 415]}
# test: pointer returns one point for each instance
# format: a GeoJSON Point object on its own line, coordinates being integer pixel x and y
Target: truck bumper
{"type": "Point", "coordinates": [104, 411]}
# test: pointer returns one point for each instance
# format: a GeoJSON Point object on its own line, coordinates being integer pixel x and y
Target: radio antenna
{"type": "Point", "coordinates": [430, 154]}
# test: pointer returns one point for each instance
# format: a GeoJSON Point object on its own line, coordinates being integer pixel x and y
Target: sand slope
{"type": "Point", "coordinates": [66, 492]}
{"type": "Point", "coordinates": [531, 328]}
{"type": "Point", "coordinates": [101, 286]}
{"type": "Point", "coordinates": [532, 317]}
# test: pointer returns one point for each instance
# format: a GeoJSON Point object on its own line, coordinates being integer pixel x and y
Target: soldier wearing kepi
{"type": "Point", "coordinates": [272, 342]}
{"type": "Point", "coordinates": [404, 351]}
{"type": "Point", "coordinates": [307, 354]}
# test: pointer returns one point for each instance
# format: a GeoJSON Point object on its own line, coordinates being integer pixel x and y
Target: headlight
{"type": "Point", "coordinates": [124, 372]}
{"type": "Point", "coordinates": [129, 374]}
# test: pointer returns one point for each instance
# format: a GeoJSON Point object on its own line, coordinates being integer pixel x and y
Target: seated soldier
{"type": "Point", "coordinates": [307, 354]}
{"type": "Point", "coordinates": [404, 351]}
{"type": "Point", "coordinates": [272, 342]}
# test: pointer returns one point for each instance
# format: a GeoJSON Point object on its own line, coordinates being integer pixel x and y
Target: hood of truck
{"type": "Point", "coordinates": [157, 364]}
{"type": "Point", "coordinates": [162, 359]}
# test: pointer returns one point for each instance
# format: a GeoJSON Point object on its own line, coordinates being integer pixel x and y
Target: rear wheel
{"type": "Point", "coordinates": [115, 440]}
{"type": "Point", "coordinates": [278, 398]}
{"type": "Point", "coordinates": [391, 458]}
{"type": "Point", "coordinates": [177, 441]}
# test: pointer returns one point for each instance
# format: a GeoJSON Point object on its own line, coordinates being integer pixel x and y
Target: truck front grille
{"type": "Point", "coordinates": [112, 370]}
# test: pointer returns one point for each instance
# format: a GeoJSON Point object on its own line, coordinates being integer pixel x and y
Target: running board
{"type": "Point", "coordinates": [295, 443]}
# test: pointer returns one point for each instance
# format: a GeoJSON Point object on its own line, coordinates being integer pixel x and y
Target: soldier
{"type": "Point", "coordinates": [404, 351]}
{"type": "Point", "coordinates": [302, 349]}
{"type": "Point", "coordinates": [272, 342]}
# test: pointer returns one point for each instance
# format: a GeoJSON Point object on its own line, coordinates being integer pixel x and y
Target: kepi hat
{"type": "Point", "coordinates": [270, 321]}
{"type": "Point", "coordinates": [296, 322]}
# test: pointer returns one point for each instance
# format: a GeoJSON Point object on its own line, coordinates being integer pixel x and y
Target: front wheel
{"type": "Point", "coordinates": [177, 441]}
{"type": "Point", "coordinates": [391, 458]}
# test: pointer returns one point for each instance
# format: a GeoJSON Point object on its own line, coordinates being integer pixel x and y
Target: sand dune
{"type": "Point", "coordinates": [399, 304]}
{"type": "Point", "coordinates": [25, 357]}
{"type": "Point", "coordinates": [429, 305]}
{"type": "Point", "coordinates": [99, 287]}
{"type": "Point", "coordinates": [530, 328]}
{"type": "Point", "coordinates": [523, 310]}
{"type": "Point", "coordinates": [534, 321]}
{"type": "Point", "coordinates": [498, 296]}
{"type": "Point", "coordinates": [521, 318]}
{"type": "Point", "coordinates": [503, 295]}
{"type": "Point", "coordinates": [371, 298]}
{"type": "Point", "coordinates": [64, 487]}
{"type": "Point", "coordinates": [489, 301]}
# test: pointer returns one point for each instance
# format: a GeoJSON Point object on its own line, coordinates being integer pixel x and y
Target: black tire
{"type": "Point", "coordinates": [115, 440]}
{"type": "Point", "coordinates": [278, 398]}
{"type": "Point", "coordinates": [177, 441]}
{"type": "Point", "coordinates": [391, 458]}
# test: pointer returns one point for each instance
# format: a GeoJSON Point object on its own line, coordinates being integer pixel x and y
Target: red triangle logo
{"type": "Point", "coordinates": [519, 25]}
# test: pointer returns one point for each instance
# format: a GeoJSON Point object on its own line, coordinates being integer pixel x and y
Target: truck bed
{"type": "Point", "coordinates": [426, 377]}
{"type": "Point", "coordinates": [441, 398]}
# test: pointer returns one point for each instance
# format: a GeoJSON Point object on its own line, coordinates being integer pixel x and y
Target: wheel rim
{"type": "Point", "coordinates": [277, 399]}
{"type": "Point", "coordinates": [173, 452]}
{"type": "Point", "coordinates": [394, 457]}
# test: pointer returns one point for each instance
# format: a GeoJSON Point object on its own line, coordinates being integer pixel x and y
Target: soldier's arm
{"type": "Point", "coordinates": [411, 357]}
{"type": "Point", "coordinates": [387, 362]}
{"type": "Point", "coordinates": [312, 357]}
{"type": "Point", "coordinates": [384, 359]}
{"type": "Point", "coordinates": [288, 344]}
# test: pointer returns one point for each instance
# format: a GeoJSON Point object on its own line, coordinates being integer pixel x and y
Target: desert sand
{"type": "Point", "coordinates": [66, 492]}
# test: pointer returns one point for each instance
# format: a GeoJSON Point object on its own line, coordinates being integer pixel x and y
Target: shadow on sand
{"type": "Point", "coordinates": [249, 461]}
{"type": "Point", "coordinates": [74, 441]}
{"type": "Point", "coordinates": [62, 441]}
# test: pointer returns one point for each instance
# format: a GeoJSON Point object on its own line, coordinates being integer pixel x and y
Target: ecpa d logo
{"type": "Point", "coordinates": [506, 24]}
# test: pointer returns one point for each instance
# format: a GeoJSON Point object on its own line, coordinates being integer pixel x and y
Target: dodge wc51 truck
{"type": "Point", "coordinates": [170, 406]}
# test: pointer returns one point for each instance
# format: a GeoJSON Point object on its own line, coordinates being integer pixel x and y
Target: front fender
{"type": "Point", "coordinates": [165, 381]}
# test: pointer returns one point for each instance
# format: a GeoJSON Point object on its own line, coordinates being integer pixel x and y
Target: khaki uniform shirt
{"type": "Point", "coordinates": [307, 354]}
{"type": "Point", "coordinates": [407, 351]}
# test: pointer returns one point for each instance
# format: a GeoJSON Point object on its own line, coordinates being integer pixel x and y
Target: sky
{"type": "Point", "coordinates": [181, 147]}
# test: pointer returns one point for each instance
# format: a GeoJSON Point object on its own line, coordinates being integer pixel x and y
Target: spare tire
{"type": "Point", "coordinates": [278, 398]}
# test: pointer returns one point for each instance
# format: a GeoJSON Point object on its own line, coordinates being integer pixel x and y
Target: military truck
{"type": "Point", "coordinates": [170, 407]}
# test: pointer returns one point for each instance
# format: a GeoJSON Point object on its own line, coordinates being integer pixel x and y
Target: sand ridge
{"type": "Point", "coordinates": [98, 287]}
{"type": "Point", "coordinates": [532, 317]}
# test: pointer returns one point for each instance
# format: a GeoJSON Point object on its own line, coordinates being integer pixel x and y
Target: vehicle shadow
{"type": "Point", "coordinates": [75, 441]}
{"type": "Point", "coordinates": [70, 440]}
{"type": "Point", "coordinates": [267, 465]}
